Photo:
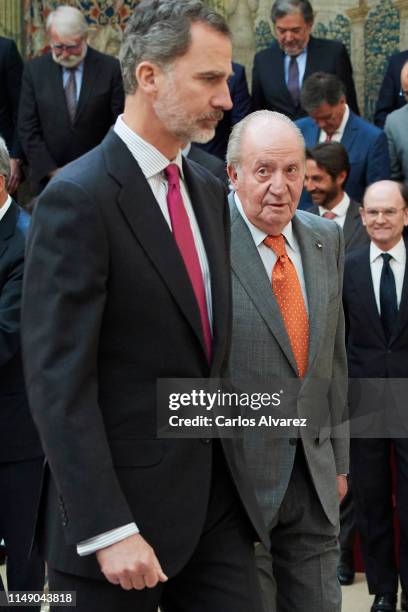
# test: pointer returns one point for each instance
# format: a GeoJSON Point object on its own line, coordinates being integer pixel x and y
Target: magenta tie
{"type": "Point", "coordinates": [185, 242]}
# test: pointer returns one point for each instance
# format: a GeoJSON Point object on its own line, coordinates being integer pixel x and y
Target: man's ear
{"type": "Point", "coordinates": [146, 75]}
{"type": "Point", "coordinates": [233, 175]}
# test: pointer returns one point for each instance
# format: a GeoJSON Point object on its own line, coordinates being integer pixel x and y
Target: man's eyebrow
{"type": "Point", "coordinates": [214, 73]}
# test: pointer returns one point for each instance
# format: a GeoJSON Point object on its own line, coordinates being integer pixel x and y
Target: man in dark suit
{"type": "Point", "coordinates": [376, 307]}
{"type": "Point", "coordinates": [20, 450]}
{"type": "Point", "coordinates": [241, 106]}
{"type": "Point", "coordinates": [391, 97]}
{"type": "Point", "coordinates": [327, 169]}
{"type": "Point", "coordinates": [11, 68]}
{"type": "Point", "coordinates": [330, 118]}
{"type": "Point", "coordinates": [70, 97]}
{"type": "Point", "coordinates": [288, 326]}
{"type": "Point", "coordinates": [280, 70]}
{"type": "Point", "coordinates": [209, 161]}
{"type": "Point", "coordinates": [128, 282]}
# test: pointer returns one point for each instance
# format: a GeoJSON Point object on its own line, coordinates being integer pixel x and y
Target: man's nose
{"type": "Point", "coordinates": [277, 183]}
{"type": "Point", "coordinates": [223, 98]}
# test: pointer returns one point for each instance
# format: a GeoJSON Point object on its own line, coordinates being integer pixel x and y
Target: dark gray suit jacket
{"type": "Point", "coordinates": [261, 352]}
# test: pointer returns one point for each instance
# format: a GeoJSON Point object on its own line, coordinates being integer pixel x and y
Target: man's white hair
{"type": "Point", "coordinates": [67, 21]}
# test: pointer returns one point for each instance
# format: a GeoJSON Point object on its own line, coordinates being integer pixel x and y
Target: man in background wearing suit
{"type": "Point", "coordinates": [21, 456]}
{"type": "Point", "coordinates": [327, 169]}
{"type": "Point", "coordinates": [330, 118]}
{"type": "Point", "coordinates": [280, 70]}
{"type": "Point", "coordinates": [288, 323]}
{"type": "Point", "coordinates": [11, 68]}
{"type": "Point", "coordinates": [70, 97]}
{"type": "Point", "coordinates": [390, 97]}
{"type": "Point", "coordinates": [241, 106]}
{"type": "Point", "coordinates": [208, 160]}
{"type": "Point", "coordinates": [396, 129]}
{"type": "Point", "coordinates": [376, 307]}
{"type": "Point", "coordinates": [128, 282]}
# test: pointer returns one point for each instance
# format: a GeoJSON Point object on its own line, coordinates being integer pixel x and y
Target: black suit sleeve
{"type": "Point", "coordinates": [344, 71]}
{"type": "Point", "coordinates": [117, 93]}
{"type": "Point", "coordinates": [12, 85]}
{"type": "Point", "coordinates": [30, 131]}
{"type": "Point", "coordinates": [387, 98]}
{"type": "Point", "coordinates": [258, 98]}
{"type": "Point", "coordinates": [241, 98]}
{"type": "Point", "coordinates": [10, 302]}
{"type": "Point", "coordinates": [63, 307]}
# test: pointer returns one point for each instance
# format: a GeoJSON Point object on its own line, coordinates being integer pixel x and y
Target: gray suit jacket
{"type": "Point", "coordinates": [355, 234]}
{"type": "Point", "coordinates": [261, 350]}
{"type": "Point", "coordinates": [396, 129]}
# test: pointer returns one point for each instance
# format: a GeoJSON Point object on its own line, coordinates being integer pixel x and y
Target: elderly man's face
{"type": "Point", "coordinates": [292, 33]}
{"type": "Point", "coordinates": [269, 180]}
{"type": "Point", "coordinates": [193, 93]}
{"type": "Point", "coordinates": [67, 51]}
{"type": "Point", "coordinates": [384, 214]}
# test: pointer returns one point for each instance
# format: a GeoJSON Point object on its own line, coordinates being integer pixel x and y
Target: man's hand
{"type": "Point", "coordinates": [16, 175]}
{"type": "Point", "coordinates": [341, 486]}
{"type": "Point", "coordinates": [131, 563]}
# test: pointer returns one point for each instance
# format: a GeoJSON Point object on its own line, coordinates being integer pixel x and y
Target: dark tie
{"type": "Point", "coordinates": [71, 94]}
{"type": "Point", "coordinates": [388, 296]}
{"type": "Point", "coordinates": [293, 80]}
{"type": "Point", "coordinates": [185, 241]}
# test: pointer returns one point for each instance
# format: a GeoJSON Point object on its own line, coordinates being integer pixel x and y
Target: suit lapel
{"type": "Point", "coordinates": [402, 318]}
{"type": "Point", "coordinates": [313, 263]}
{"type": "Point", "coordinates": [363, 285]}
{"type": "Point", "coordinates": [350, 133]}
{"type": "Point", "coordinates": [352, 222]}
{"type": "Point", "coordinates": [249, 269]}
{"type": "Point", "coordinates": [312, 61]}
{"type": "Point", "coordinates": [56, 89]}
{"type": "Point", "coordinates": [89, 77]}
{"type": "Point", "coordinates": [143, 214]}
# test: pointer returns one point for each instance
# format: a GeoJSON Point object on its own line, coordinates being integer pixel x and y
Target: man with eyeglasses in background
{"type": "Point", "coordinates": [375, 296]}
{"type": "Point", "coordinates": [70, 97]}
{"type": "Point", "coordinates": [396, 129]}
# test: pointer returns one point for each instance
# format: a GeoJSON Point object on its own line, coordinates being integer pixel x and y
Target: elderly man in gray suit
{"type": "Point", "coordinates": [288, 324]}
{"type": "Point", "coordinates": [396, 129]}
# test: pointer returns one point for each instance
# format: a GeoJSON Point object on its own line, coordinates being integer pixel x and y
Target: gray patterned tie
{"type": "Point", "coordinates": [71, 94]}
{"type": "Point", "coordinates": [293, 80]}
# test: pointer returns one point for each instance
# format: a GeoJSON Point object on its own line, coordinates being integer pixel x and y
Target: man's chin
{"type": "Point", "coordinates": [203, 136]}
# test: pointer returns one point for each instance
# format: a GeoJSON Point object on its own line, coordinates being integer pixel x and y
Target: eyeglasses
{"type": "Point", "coordinates": [59, 48]}
{"type": "Point", "coordinates": [387, 213]}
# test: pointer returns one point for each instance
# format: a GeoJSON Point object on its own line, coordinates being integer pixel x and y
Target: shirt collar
{"type": "Point", "coordinates": [5, 207]}
{"type": "Point", "coordinates": [340, 210]}
{"type": "Point", "coordinates": [78, 68]}
{"type": "Point", "coordinates": [150, 159]}
{"type": "Point", "coordinates": [303, 52]}
{"type": "Point", "coordinates": [257, 234]}
{"type": "Point", "coordinates": [397, 252]}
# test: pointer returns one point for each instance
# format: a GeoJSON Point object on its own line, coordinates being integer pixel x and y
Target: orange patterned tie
{"type": "Point", "coordinates": [288, 294]}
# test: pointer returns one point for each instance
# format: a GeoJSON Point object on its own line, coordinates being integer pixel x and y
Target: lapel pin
{"type": "Point", "coordinates": [319, 245]}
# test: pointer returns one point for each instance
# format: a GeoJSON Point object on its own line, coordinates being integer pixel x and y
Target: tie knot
{"type": "Point", "coordinates": [386, 257]}
{"type": "Point", "coordinates": [329, 215]}
{"type": "Point", "coordinates": [172, 174]}
{"type": "Point", "coordinates": [277, 244]}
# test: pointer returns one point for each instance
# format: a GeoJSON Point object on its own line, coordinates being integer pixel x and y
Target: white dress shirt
{"type": "Point", "coordinates": [340, 210]}
{"type": "Point", "coordinates": [268, 256]}
{"type": "Point", "coordinates": [397, 264]}
{"type": "Point", "coordinates": [5, 207]}
{"type": "Point", "coordinates": [152, 164]}
{"type": "Point", "coordinates": [338, 134]}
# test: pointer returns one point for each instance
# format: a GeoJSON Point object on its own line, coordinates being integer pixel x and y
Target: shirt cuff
{"type": "Point", "coordinates": [87, 547]}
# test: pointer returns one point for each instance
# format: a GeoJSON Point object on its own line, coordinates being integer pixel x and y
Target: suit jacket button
{"type": "Point", "coordinates": [293, 441]}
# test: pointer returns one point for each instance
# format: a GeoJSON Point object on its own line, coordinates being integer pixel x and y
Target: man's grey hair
{"type": "Point", "coordinates": [321, 88]}
{"type": "Point", "coordinates": [4, 161]}
{"type": "Point", "coordinates": [281, 8]}
{"type": "Point", "coordinates": [159, 32]}
{"type": "Point", "coordinates": [234, 157]}
{"type": "Point", "coordinates": [67, 21]}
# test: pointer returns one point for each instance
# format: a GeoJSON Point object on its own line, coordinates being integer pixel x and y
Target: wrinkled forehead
{"type": "Point", "coordinates": [274, 138]}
